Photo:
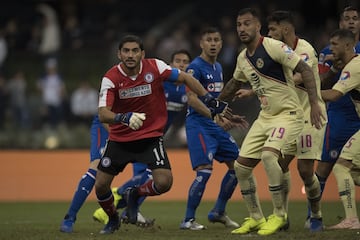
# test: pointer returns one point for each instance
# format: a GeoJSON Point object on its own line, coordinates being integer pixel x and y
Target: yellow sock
{"type": "Point", "coordinates": [346, 189]}
{"type": "Point", "coordinates": [247, 185]}
{"type": "Point", "coordinates": [313, 194]}
{"type": "Point", "coordinates": [275, 177]}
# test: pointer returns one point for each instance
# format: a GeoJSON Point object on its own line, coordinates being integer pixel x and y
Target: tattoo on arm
{"type": "Point", "coordinates": [308, 80]}
{"type": "Point", "coordinates": [229, 90]}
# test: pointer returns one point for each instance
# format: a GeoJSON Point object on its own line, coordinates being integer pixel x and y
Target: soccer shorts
{"type": "Point", "coordinates": [338, 130]}
{"type": "Point", "coordinates": [273, 132]}
{"type": "Point", "coordinates": [208, 141]}
{"type": "Point", "coordinates": [149, 151]}
{"type": "Point", "coordinates": [351, 149]}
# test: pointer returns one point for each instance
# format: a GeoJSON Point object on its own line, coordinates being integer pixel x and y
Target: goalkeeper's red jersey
{"type": "Point", "coordinates": [143, 93]}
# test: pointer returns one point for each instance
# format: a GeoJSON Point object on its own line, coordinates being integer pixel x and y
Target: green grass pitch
{"type": "Point", "coordinates": [41, 220]}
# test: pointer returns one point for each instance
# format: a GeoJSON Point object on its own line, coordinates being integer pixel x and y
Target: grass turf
{"type": "Point", "coordinates": [41, 220]}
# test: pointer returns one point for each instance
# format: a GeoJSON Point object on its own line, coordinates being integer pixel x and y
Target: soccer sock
{"type": "Point", "coordinates": [227, 188]}
{"type": "Point", "coordinates": [322, 182]}
{"type": "Point", "coordinates": [275, 177]}
{"type": "Point", "coordinates": [84, 188]}
{"type": "Point", "coordinates": [137, 180]}
{"type": "Point", "coordinates": [107, 203]}
{"type": "Point", "coordinates": [196, 192]}
{"type": "Point", "coordinates": [313, 194]}
{"type": "Point", "coordinates": [148, 189]}
{"type": "Point", "coordinates": [286, 189]}
{"type": "Point", "coordinates": [247, 184]}
{"type": "Point", "coordinates": [346, 188]}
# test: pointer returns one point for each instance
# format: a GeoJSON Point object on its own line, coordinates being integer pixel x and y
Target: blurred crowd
{"type": "Point", "coordinates": [47, 34]}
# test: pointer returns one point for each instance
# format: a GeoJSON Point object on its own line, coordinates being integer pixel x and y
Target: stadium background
{"type": "Point", "coordinates": [36, 159]}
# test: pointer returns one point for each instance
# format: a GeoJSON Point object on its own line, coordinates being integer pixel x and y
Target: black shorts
{"type": "Point", "coordinates": [149, 151]}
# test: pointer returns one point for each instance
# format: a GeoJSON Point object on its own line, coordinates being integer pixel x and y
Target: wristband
{"type": "Point", "coordinates": [120, 118]}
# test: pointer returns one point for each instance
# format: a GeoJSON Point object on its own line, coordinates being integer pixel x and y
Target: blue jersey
{"type": "Point", "coordinates": [343, 120]}
{"type": "Point", "coordinates": [207, 140]}
{"type": "Point", "coordinates": [176, 99]}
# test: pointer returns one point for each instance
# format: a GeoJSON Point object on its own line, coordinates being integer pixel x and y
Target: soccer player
{"type": "Point", "coordinates": [132, 102]}
{"type": "Point", "coordinates": [176, 99]}
{"type": "Point", "coordinates": [268, 65]}
{"type": "Point", "coordinates": [346, 168]}
{"type": "Point", "coordinates": [310, 141]}
{"type": "Point", "coordinates": [207, 141]}
{"type": "Point", "coordinates": [343, 120]}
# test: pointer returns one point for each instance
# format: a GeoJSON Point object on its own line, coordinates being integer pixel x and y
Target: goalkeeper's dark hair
{"type": "Point", "coordinates": [131, 38]}
{"type": "Point", "coordinates": [281, 16]}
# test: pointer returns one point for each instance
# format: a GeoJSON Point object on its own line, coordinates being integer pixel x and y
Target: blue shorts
{"type": "Point", "coordinates": [207, 141]}
{"type": "Point", "coordinates": [98, 136]}
{"type": "Point", "coordinates": [338, 131]}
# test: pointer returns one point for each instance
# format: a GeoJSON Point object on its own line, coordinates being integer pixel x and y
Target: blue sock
{"type": "Point", "coordinates": [196, 192]}
{"type": "Point", "coordinates": [228, 186]}
{"type": "Point", "coordinates": [84, 188]}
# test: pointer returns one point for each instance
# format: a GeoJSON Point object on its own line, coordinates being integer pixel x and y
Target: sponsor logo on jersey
{"type": "Point", "coordinates": [345, 75]}
{"type": "Point", "coordinates": [215, 87]}
{"type": "Point", "coordinates": [304, 56]}
{"type": "Point", "coordinates": [138, 91]}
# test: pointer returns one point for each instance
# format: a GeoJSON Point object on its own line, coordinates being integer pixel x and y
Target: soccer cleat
{"type": "Point", "coordinates": [112, 225]}
{"type": "Point", "coordinates": [316, 225]}
{"type": "Point", "coordinates": [273, 224]}
{"type": "Point", "coordinates": [141, 220]}
{"type": "Point", "coordinates": [100, 216]}
{"type": "Point", "coordinates": [131, 197]}
{"type": "Point", "coordinates": [286, 226]}
{"type": "Point", "coordinates": [347, 223]}
{"type": "Point", "coordinates": [249, 225]}
{"type": "Point", "coordinates": [214, 217]}
{"type": "Point", "coordinates": [191, 225]}
{"type": "Point", "coordinates": [67, 224]}
{"type": "Point", "coordinates": [117, 197]}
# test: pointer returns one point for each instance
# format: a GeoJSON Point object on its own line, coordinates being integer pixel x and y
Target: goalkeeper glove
{"type": "Point", "coordinates": [132, 119]}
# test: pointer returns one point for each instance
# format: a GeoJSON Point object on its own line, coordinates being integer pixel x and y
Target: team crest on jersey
{"type": "Point", "coordinates": [259, 63]}
{"type": "Point", "coordinates": [106, 162]}
{"type": "Point", "coordinates": [321, 58]}
{"type": "Point", "coordinates": [286, 49]}
{"type": "Point", "coordinates": [149, 77]}
{"type": "Point", "coordinates": [191, 71]}
{"type": "Point", "coordinates": [345, 75]}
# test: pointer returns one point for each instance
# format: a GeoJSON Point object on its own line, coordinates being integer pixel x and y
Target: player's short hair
{"type": "Point", "coordinates": [252, 11]}
{"type": "Point", "coordinates": [348, 9]}
{"type": "Point", "coordinates": [207, 30]}
{"type": "Point", "coordinates": [281, 16]}
{"type": "Point", "coordinates": [131, 38]}
{"type": "Point", "coordinates": [180, 51]}
{"type": "Point", "coordinates": [343, 34]}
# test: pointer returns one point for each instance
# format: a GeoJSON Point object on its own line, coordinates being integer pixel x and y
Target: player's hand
{"type": "Point", "coordinates": [215, 106]}
{"type": "Point", "coordinates": [132, 119]}
{"type": "Point", "coordinates": [243, 93]}
{"type": "Point", "coordinates": [234, 121]}
{"type": "Point", "coordinates": [317, 116]}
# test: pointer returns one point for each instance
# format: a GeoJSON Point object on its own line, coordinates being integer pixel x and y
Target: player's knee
{"type": "Point", "coordinates": [242, 172]}
{"type": "Point", "coordinates": [163, 182]}
{"type": "Point", "coordinates": [340, 171]}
